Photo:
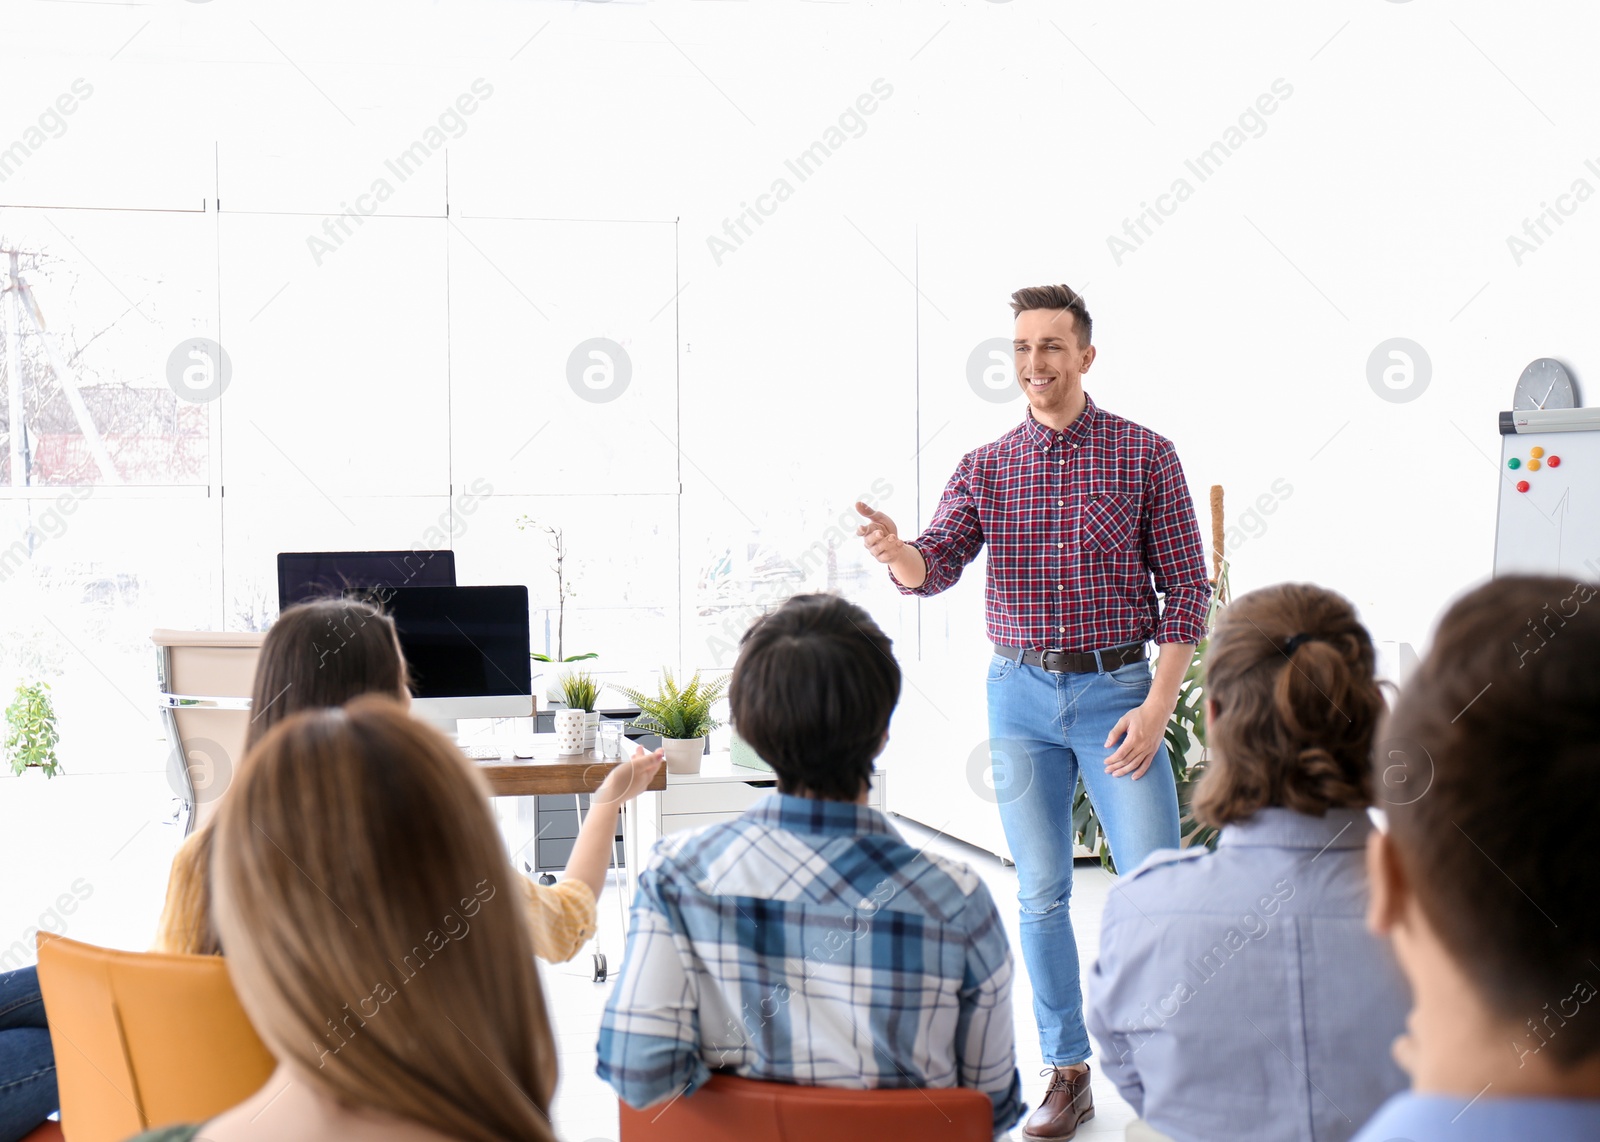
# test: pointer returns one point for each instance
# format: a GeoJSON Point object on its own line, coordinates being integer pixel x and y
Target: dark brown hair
{"type": "Point", "coordinates": [1489, 773]}
{"type": "Point", "coordinates": [320, 654]}
{"type": "Point", "coordinates": [1289, 671]}
{"type": "Point", "coordinates": [375, 930]}
{"type": "Point", "coordinates": [1057, 297]}
{"type": "Point", "coordinates": [812, 692]}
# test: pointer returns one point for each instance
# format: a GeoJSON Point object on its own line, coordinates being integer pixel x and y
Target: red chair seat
{"type": "Point", "coordinates": [47, 1132]}
{"type": "Point", "coordinates": [729, 1109]}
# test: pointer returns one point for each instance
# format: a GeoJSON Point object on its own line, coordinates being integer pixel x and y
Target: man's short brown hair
{"type": "Point", "coordinates": [812, 692]}
{"type": "Point", "coordinates": [1488, 770]}
{"type": "Point", "coordinates": [1289, 671]}
{"type": "Point", "coordinates": [1057, 297]}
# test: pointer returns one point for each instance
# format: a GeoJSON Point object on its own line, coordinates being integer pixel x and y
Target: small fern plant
{"type": "Point", "coordinates": [31, 730]}
{"type": "Point", "coordinates": [680, 714]}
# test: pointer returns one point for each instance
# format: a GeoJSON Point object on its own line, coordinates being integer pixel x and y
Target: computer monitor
{"type": "Point", "coordinates": [466, 648]}
{"type": "Point", "coordinates": [306, 575]}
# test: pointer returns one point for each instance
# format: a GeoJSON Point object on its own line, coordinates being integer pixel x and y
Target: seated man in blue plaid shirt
{"type": "Point", "coordinates": [806, 941]}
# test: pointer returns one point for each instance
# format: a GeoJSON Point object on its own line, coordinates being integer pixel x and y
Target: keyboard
{"type": "Point", "coordinates": [482, 752]}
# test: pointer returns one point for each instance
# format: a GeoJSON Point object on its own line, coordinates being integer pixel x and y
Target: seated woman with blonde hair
{"type": "Point", "coordinates": [375, 937]}
{"type": "Point", "coordinates": [325, 653]}
{"type": "Point", "coordinates": [1238, 993]}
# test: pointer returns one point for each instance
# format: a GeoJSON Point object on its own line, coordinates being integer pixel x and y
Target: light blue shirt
{"type": "Point", "coordinates": [1426, 1117]}
{"type": "Point", "coordinates": [1238, 993]}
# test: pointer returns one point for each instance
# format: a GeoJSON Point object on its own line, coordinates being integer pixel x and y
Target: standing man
{"type": "Point", "coordinates": [1087, 517]}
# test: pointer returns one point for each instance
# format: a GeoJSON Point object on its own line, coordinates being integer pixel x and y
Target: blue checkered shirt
{"type": "Point", "coordinates": [807, 942]}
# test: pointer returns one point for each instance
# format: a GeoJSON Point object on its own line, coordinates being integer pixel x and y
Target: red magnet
{"type": "Point", "coordinates": [1554, 461]}
{"type": "Point", "coordinates": [1522, 485]}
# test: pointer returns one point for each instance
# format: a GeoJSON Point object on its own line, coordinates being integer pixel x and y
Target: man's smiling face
{"type": "Point", "coordinates": [1050, 362]}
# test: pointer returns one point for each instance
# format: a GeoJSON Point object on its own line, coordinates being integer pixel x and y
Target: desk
{"type": "Point", "coordinates": [520, 777]}
{"type": "Point", "coordinates": [548, 773]}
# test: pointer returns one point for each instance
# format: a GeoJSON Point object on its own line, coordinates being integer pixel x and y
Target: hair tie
{"type": "Point", "coordinates": [1295, 641]}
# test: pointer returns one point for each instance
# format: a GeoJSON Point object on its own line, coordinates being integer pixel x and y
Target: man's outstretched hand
{"type": "Point", "coordinates": [880, 534]}
{"type": "Point", "coordinates": [884, 543]}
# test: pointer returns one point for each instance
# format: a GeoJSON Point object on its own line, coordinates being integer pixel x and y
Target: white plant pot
{"type": "Point", "coordinates": [569, 732]}
{"type": "Point", "coordinates": [683, 754]}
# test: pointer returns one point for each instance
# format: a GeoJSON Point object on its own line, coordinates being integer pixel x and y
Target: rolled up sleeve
{"type": "Point", "coordinates": [562, 917]}
{"type": "Point", "coordinates": [952, 538]}
{"type": "Point", "coordinates": [1174, 552]}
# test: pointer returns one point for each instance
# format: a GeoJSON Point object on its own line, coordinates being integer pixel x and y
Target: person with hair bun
{"type": "Point", "coordinates": [375, 935]}
{"type": "Point", "coordinates": [1237, 993]}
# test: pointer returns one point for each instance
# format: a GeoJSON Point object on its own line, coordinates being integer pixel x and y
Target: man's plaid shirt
{"type": "Point", "coordinates": [1084, 528]}
{"type": "Point", "coordinates": [807, 942]}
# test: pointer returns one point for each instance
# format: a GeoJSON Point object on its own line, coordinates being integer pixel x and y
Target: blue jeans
{"type": "Point", "coordinates": [27, 1064]}
{"type": "Point", "coordinates": [1044, 729]}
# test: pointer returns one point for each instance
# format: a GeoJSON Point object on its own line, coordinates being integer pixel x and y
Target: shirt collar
{"type": "Point", "coordinates": [1287, 829]}
{"type": "Point", "coordinates": [809, 815]}
{"type": "Point", "coordinates": [1076, 433]}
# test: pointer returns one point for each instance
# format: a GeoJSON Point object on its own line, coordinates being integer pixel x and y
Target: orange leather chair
{"type": "Point", "coordinates": [144, 1040]}
{"type": "Point", "coordinates": [729, 1109]}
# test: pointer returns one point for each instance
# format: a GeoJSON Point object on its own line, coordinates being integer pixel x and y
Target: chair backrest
{"type": "Point", "coordinates": [729, 1109]}
{"type": "Point", "coordinates": [206, 678]}
{"type": "Point", "coordinates": [143, 1039]}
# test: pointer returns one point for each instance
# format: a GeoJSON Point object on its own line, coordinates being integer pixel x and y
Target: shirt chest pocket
{"type": "Point", "coordinates": [1110, 522]}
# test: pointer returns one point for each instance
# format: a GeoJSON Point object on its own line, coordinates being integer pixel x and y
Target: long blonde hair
{"type": "Point", "coordinates": [373, 925]}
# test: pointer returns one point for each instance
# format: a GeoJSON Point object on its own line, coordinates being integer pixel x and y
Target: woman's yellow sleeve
{"type": "Point", "coordinates": [562, 916]}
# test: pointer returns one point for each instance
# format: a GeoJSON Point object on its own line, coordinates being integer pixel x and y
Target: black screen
{"type": "Point", "coordinates": [461, 642]}
{"type": "Point", "coordinates": [306, 575]}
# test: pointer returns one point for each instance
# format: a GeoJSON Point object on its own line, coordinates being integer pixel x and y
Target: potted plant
{"type": "Point", "coordinates": [580, 691]}
{"type": "Point", "coordinates": [681, 716]}
{"type": "Point", "coordinates": [31, 730]}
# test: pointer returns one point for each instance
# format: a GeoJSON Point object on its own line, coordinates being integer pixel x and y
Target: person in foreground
{"type": "Point", "coordinates": [1485, 877]}
{"type": "Point", "coordinates": [375, 936]}
{"type": "Point", "coordinates": [322, 654]}
{"type": "Point", "coordinates": [807, 942]}
{"type": "Point", "coordinates": [1245, 978]}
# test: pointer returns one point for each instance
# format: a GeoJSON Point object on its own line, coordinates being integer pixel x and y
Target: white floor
{"type": "Point", "coordinates": [88, 856]}
{"type": "Point", "coordinates": [585, 1109]}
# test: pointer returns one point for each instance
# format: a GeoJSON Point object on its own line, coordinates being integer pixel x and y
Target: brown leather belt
{"type": "Point", "coordinates": [1076, 662]}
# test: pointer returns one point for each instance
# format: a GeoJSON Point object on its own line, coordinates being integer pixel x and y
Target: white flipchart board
{"type": "Point", "coordinates": [1553, 527]}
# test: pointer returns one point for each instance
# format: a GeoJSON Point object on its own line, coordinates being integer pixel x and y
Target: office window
{"type": "Point", "coordinates": [114, 314]}
{"type": "Point", "coordinates": [788, 422]}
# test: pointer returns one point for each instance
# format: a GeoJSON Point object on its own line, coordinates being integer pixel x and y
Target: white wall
{"type": "Point", "coordinates": [827, 350]}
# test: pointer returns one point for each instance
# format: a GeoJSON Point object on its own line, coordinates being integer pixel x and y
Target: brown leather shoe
{"type": "Point", "coordinates": [1068, 1104]}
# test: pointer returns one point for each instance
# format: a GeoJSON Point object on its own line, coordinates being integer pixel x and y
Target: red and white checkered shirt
{"type": "Point", "coordinates": [1084, 527]}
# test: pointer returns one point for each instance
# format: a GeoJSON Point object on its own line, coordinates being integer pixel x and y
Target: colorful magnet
{"type": "Point", "coordinates": [1513, 463]}
{"type": "Point", "coordinates": [1536, 452]}
{"type": "Point", "coordinates": [1522, 485]}
{"type": "Point", "coordinates": [1533, 465]}
{"type": "Point", "coordinates": [1554, 461]}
